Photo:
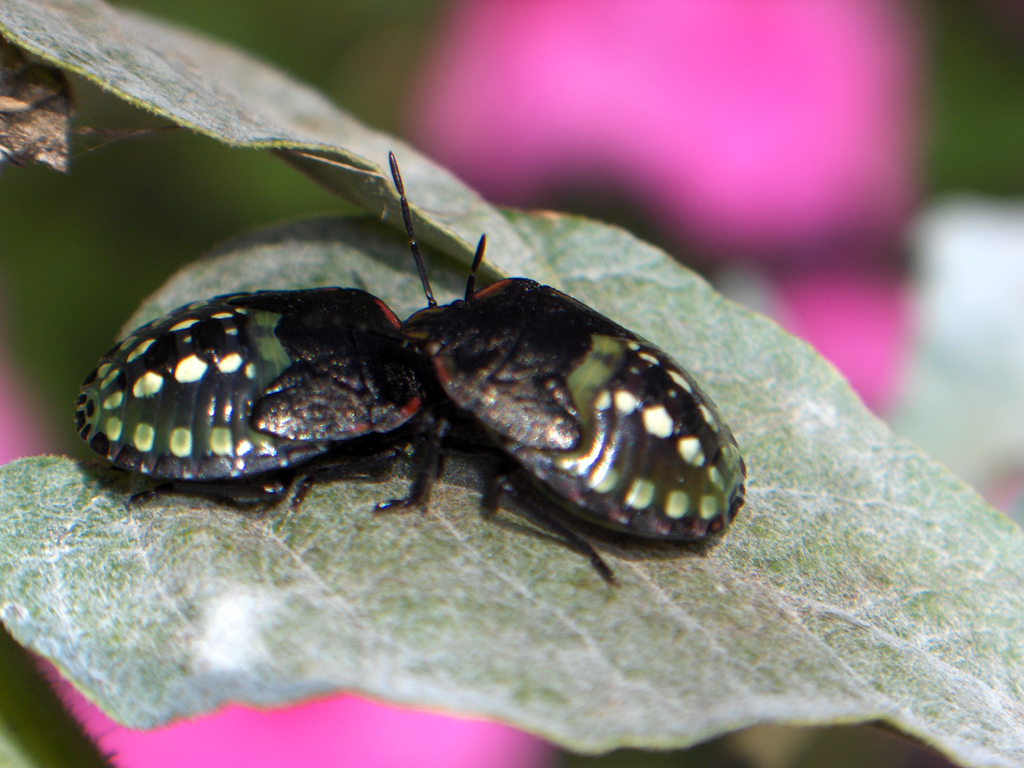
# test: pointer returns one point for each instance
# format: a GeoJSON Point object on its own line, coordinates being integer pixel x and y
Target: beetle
{"type": "Point", "coordinates": [602, 420]}
{"type": "Point", "coordinates": [237, 387]}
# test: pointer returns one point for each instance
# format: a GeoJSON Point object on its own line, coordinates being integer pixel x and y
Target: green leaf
{"type": "Point", "coordinates": [861, 582]}
{"type": "Point", "coordinates": [219, 91]}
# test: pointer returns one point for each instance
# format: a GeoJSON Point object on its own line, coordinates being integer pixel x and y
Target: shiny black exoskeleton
{"type": "Point", "coordinates": [245, 384]}
{"type": "Point", "coordinates": [603, 420]}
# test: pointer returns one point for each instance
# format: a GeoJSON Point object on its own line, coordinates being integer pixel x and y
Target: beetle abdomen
{"type": "Point", "coordinates": [608, 422]}
{"type": "Point", "coordinates": [247, 383]}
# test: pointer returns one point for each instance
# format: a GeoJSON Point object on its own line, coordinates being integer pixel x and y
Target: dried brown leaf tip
{"type": "Point", "coordinates": [35, 111]}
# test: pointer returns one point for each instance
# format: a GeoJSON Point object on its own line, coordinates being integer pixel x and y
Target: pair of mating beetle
{"type": "Point", "coordinates": [246, 388]}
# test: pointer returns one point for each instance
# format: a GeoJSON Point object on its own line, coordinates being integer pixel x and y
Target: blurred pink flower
{"type": "Point", "coordinates": [858, 319]}
{"type": "Point", "coordinates": [767, 129]}
{"type": "Point", "coordinates": [782, 131]}
{"type": "Point", "coordinates": [339, 731]}
{"type": "Point", "coordinates": [20, 434]}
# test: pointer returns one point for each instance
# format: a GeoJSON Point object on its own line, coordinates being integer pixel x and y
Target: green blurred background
{"type": "Point", "coordinates": [79, 252]}
{"type": "Point", "coordinates": [131, 212]}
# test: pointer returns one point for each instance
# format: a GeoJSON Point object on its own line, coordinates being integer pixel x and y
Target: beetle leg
{"type": "Point", "coordinates": [429, 470]}
{"type": "Point", "coordinates": [265, 491]}
{"type": "Point", "coordinates": [503, 484]}
{"type": "Point", "coordinates": [342, 469]}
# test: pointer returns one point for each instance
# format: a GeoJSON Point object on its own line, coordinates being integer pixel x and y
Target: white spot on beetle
{"type": "Point", "coordinates": [679, 379]}
{"type": "Point", "coordinates": [113, 402]}
{"type": "Point", "coordinates": [230, 363]}
{"type": "Point", "coordinates": [110, 378]}
{"type": "Point", "coordinates": [148, 384]}
{"type": "Point", "coordinates": [250, 370]}
{"type": "Point", "coordinates": [603, 401]}
{"type": "Point", "coordinates": [708, 506]}
{"type": "Point", "coordinates": [222, 315]}
{"type": "Point", "coordinates": [143, 437]}
{"type": "Point", "coordinates": [690, 450]}
{"type": "Point", "coordinates": [676, 504]}
{"type": "Point", "coordinates": [706, 413]}
{"type": "Point", "coordinates": [113, 428]}
{"type": "Point", "coordinates": [184, 324]}
{"type": "Point", "coordinates": [605, 480]}
{"type": "Point", "coordinates": [190, 369]}
{"type": "Point", "coordinates": [625, 402]}
{"type": "Point", "coordinates": [181, 442]}
{"type": "Point", "coordinates": [657, 422]}
{"type": "Point", "coordinates": [716, 478]}
{"type": "Point", "coordinates": [140, 350]}
{"type": "Point", "coordinates": [220, 441]}
{"type": "Point", "coordinates": [649, 358]}
{"type": "Point", "coordinates": [641, 494]}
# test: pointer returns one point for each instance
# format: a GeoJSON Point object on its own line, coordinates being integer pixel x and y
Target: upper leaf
{"type": "Point", "coordinates": [215, 89]}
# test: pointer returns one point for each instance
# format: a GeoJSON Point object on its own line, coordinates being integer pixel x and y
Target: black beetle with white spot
{"type": "Point", "coordinates": [605, 422]}
{"type": "Point", "coordinates": [225, 393]}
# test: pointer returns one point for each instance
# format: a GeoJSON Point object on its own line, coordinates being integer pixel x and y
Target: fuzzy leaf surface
{"type": "Point", "coordinates": [862, 581]}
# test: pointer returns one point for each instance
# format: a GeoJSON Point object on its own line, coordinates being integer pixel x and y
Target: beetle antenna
{"type": "Point", "coordinates": [407, 218]}
{"type": "Point", "coordinates": [477, 259]}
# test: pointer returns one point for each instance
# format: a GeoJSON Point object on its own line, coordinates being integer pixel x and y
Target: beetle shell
{"type": "Point", "coordinates": [606, 421]}
{"type": "Point", "coordinates": [247, 383]}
